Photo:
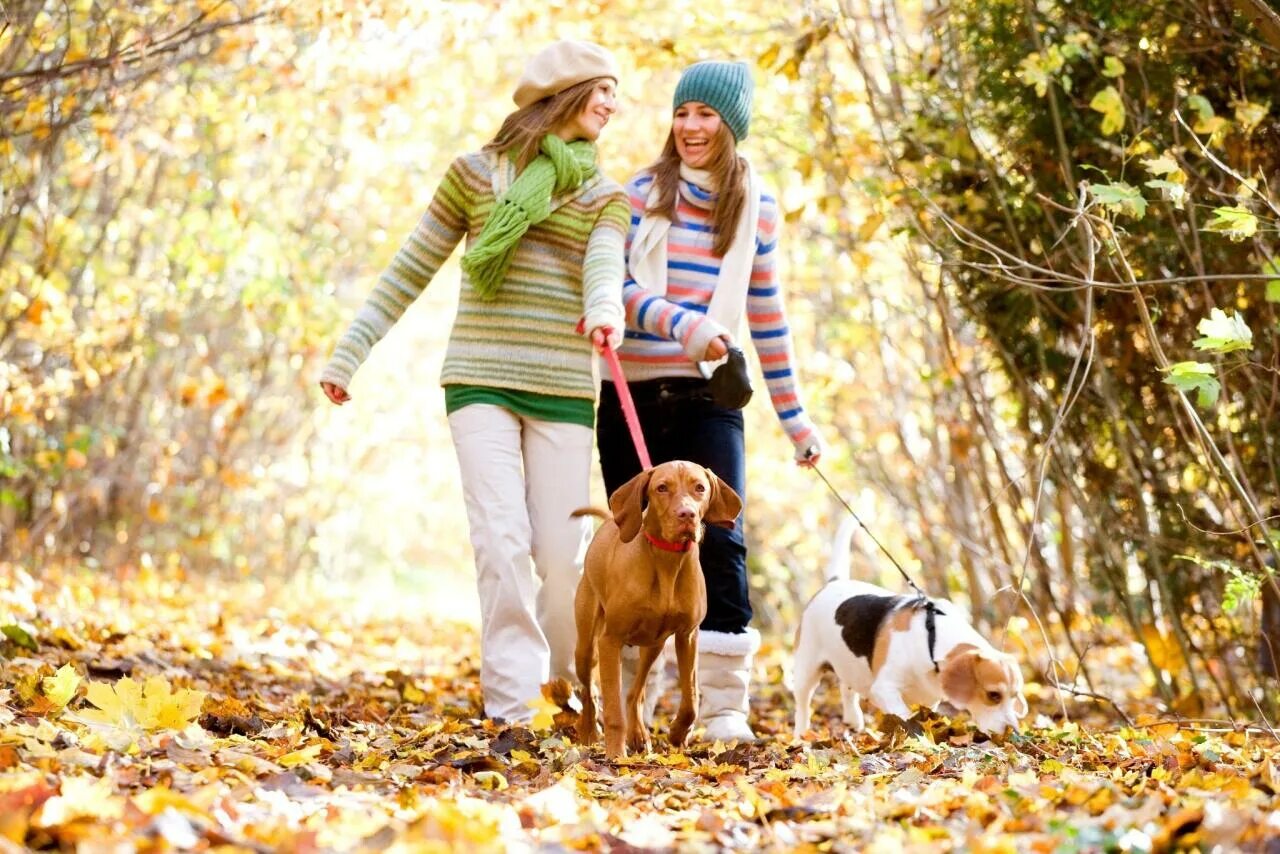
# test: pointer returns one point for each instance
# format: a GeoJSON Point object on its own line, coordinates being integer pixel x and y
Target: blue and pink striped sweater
{"type": "Point", "coordinates": [666, 335]}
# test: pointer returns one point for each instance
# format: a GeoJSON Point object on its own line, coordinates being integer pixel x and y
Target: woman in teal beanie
{"type": "Point", "coordinates": [544, 231]}
{"type": "Point", "coordinates": [700, 256]}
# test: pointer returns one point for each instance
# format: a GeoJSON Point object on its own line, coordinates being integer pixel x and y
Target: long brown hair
{"type": "Point", "coordinates": [522, 131]}
{"type": "Point", "coordinates": [726, 168]}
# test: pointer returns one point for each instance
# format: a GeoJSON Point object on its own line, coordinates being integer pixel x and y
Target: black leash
{"type": "Point", "coordinates": [930, 610]}
{"type": "Point", "coordinates": [888, 554]}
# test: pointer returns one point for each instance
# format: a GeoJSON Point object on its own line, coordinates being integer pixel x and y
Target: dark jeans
{"type": "Point", "coordinates": [680, 422]}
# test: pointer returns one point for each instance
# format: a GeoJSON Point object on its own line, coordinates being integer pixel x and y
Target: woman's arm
{"type": "Point", "coordinates": [658, 316]}
{"type": "Point", "coordinates": [767, 319]}
{"type": "Point", "coordinates": [602, 270]}
{"type": "Point", "coordinates": [408, 274]}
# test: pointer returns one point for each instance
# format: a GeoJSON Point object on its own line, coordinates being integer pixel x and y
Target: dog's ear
{"type": "Point", "coordinates": [627, 505]}
{"type": "Point", "coordinates": [724, 505]}
{"type": "Point", "coordinates": [959, 676]}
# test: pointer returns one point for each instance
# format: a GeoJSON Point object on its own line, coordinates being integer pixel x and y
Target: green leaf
{"type": "Point", "coordinates": [1109, 104]}
{"type": "Point", "coordinates": [1201, 105]}
{"type": "Point", "coordinates": [1235, 222]}
{"type": "Point", "coordinates": [20, 636]}
{"type": "Point", "coordinates": [1112, 67]}
{"type": "Point", "coordinates": [1121, 198]}
{"type": "Point", "coordinates": [1241, 589]}
{"type": "Point", "coordinates": [1223, 334]}
{"type": "Point", "coordinates": [1273, 285]}
{"type": "Point", "coordinates": [1187, 377]}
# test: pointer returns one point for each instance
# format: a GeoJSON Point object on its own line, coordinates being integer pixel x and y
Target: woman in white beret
{"type": "Point", "coordinates": [544, 232]}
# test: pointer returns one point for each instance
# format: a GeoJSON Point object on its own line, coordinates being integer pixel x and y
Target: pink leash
{"type": "Point", "coordinates": [628, 406]}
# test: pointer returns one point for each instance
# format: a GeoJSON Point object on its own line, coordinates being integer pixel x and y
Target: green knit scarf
{"type": "Point", "coordinates": [561, 166]}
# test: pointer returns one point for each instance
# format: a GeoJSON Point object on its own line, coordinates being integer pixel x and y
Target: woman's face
{"type": "Point", "coordinates": [695, 125]}
{"type": "Point", "coordinates": [595, 114]}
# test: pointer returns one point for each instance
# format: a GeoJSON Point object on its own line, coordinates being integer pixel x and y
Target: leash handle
{"type": "Point", "coordinates": [628, 406]}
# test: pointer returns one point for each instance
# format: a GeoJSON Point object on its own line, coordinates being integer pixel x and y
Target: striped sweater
{"type": "Point", "coordinates": [566, 267]}
{"type": "Point", "coordinates": [666, 336]}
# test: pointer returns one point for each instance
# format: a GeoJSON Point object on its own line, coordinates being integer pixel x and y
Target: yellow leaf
{"type": "Point", "coordinates": [115, 704]}
{"type": "Point", "coordinates": [168, 709]}
{"type": "Point", "coordinates": [1109, 104]}
{"type": "Point", "coordinates": [61, 686]}
{"type": "Point", "coordinates": [1249, 115]}
{"type": "Point", "coordinates": [157, 800]}
{"type": "Point", "coordinates": [544, 714]}
{"type": "Point", "coordinates": [491, 780]}
{"type": "Point", "coordinates": [870, 226]}
{"type": "Point", "coordinates": [81, 797]}
{"type": "Point", "coordinates": [301, 757]}
{"type": "Point", "coordinates": [134, 708]}
{"type": "Point", "coordinates": [1163, 649]}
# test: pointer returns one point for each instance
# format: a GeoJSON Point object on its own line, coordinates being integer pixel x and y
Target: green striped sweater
{"type": "Point", "coordinates": [567, 267]}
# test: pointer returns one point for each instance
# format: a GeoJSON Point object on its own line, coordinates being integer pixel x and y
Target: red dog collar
{"type": "Point", "coordinates": [668, 546]}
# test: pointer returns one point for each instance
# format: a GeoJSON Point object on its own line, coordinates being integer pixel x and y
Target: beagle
{"type": "Point", "coordinates": [899, 650]}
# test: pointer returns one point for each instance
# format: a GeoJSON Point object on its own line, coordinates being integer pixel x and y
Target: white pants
{"type": "Point", "coordinates": [521, 478]}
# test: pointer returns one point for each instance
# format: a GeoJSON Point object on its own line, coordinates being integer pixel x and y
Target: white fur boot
{"type": "Point", "coordinates": [724, 680]}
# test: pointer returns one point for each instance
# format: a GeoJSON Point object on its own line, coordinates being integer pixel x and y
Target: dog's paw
{"type": "Point", "coordinates": [588, 733]}
{"type": "Point", "coordinates": [639, 744]}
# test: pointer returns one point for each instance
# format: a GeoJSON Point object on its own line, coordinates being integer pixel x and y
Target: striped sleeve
{"type": "Point", "coordinates": [767, 320]}
{"type": "Point", "coordinates": [603, 269]}
{"type": "Point", "coordinates": [414, 265]}
{"type": "Point", "coordinates": [655, 315]}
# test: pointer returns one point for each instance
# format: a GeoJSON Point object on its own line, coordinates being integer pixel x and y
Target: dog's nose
{"type": "Point", "coordinates": [685, 514]}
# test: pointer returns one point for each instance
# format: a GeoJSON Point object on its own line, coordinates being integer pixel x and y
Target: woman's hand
{"type": "Point", "coordinates": [602, 335]}
{"type": "Point", "coordinates": [717, 349]}
{"type": "Point", "coordinates": [810, 450]}
{"type": "Point", "coordinates": [810, 457]}
{"type": "Point", "coordinates": [334, 392]}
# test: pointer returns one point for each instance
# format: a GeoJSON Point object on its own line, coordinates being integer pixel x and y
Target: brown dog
{"type": "Point", "coordinates": [640, 590]}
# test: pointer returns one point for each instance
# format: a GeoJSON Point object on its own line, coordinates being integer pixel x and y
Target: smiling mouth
{"type": "Point", "coordinates": [695, 146]}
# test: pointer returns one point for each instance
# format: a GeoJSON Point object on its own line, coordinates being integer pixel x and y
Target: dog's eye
{"type": "Point", "coordinates": [993, 697]}
{"type": "Point", "coordinates": [700, 488]}
{"type": "Point", "coordinates": [662, 487]}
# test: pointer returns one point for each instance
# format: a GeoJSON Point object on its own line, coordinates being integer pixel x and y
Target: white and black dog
{"type": "Point", "coordinates": [898, 650]}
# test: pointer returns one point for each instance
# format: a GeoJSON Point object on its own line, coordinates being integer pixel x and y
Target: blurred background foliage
{"type": "Point", "coordinates": [196, 197]}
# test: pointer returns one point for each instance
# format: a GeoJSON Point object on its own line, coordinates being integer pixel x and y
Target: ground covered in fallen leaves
{"type": "Point", "coordinates": [169, 714]}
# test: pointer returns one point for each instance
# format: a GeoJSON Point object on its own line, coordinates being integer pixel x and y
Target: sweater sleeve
{"type": "Point", "coordinates": [603, 269]}
{"type": "Point", "coordinates": [410, 271]}
{"type": "Point", "coordinates": [767, 319]}
{"type": "Point", "coordinates": [656, 315]}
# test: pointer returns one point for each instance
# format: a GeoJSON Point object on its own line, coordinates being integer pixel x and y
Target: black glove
{"type": "Point", "coordinates": [730, 384]}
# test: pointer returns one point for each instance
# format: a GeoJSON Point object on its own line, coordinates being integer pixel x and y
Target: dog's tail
{"type": "Point", "coordinates": [839, 562]}
{"type": "Point", "coordinates": [592, 511]}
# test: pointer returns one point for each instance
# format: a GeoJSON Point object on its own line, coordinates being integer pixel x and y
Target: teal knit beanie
{"type": "Point", "coordinates": [724, 86]}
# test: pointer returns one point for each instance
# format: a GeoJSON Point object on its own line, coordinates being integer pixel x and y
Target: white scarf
{"type": "Point", "coordinates": [647, 261]}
